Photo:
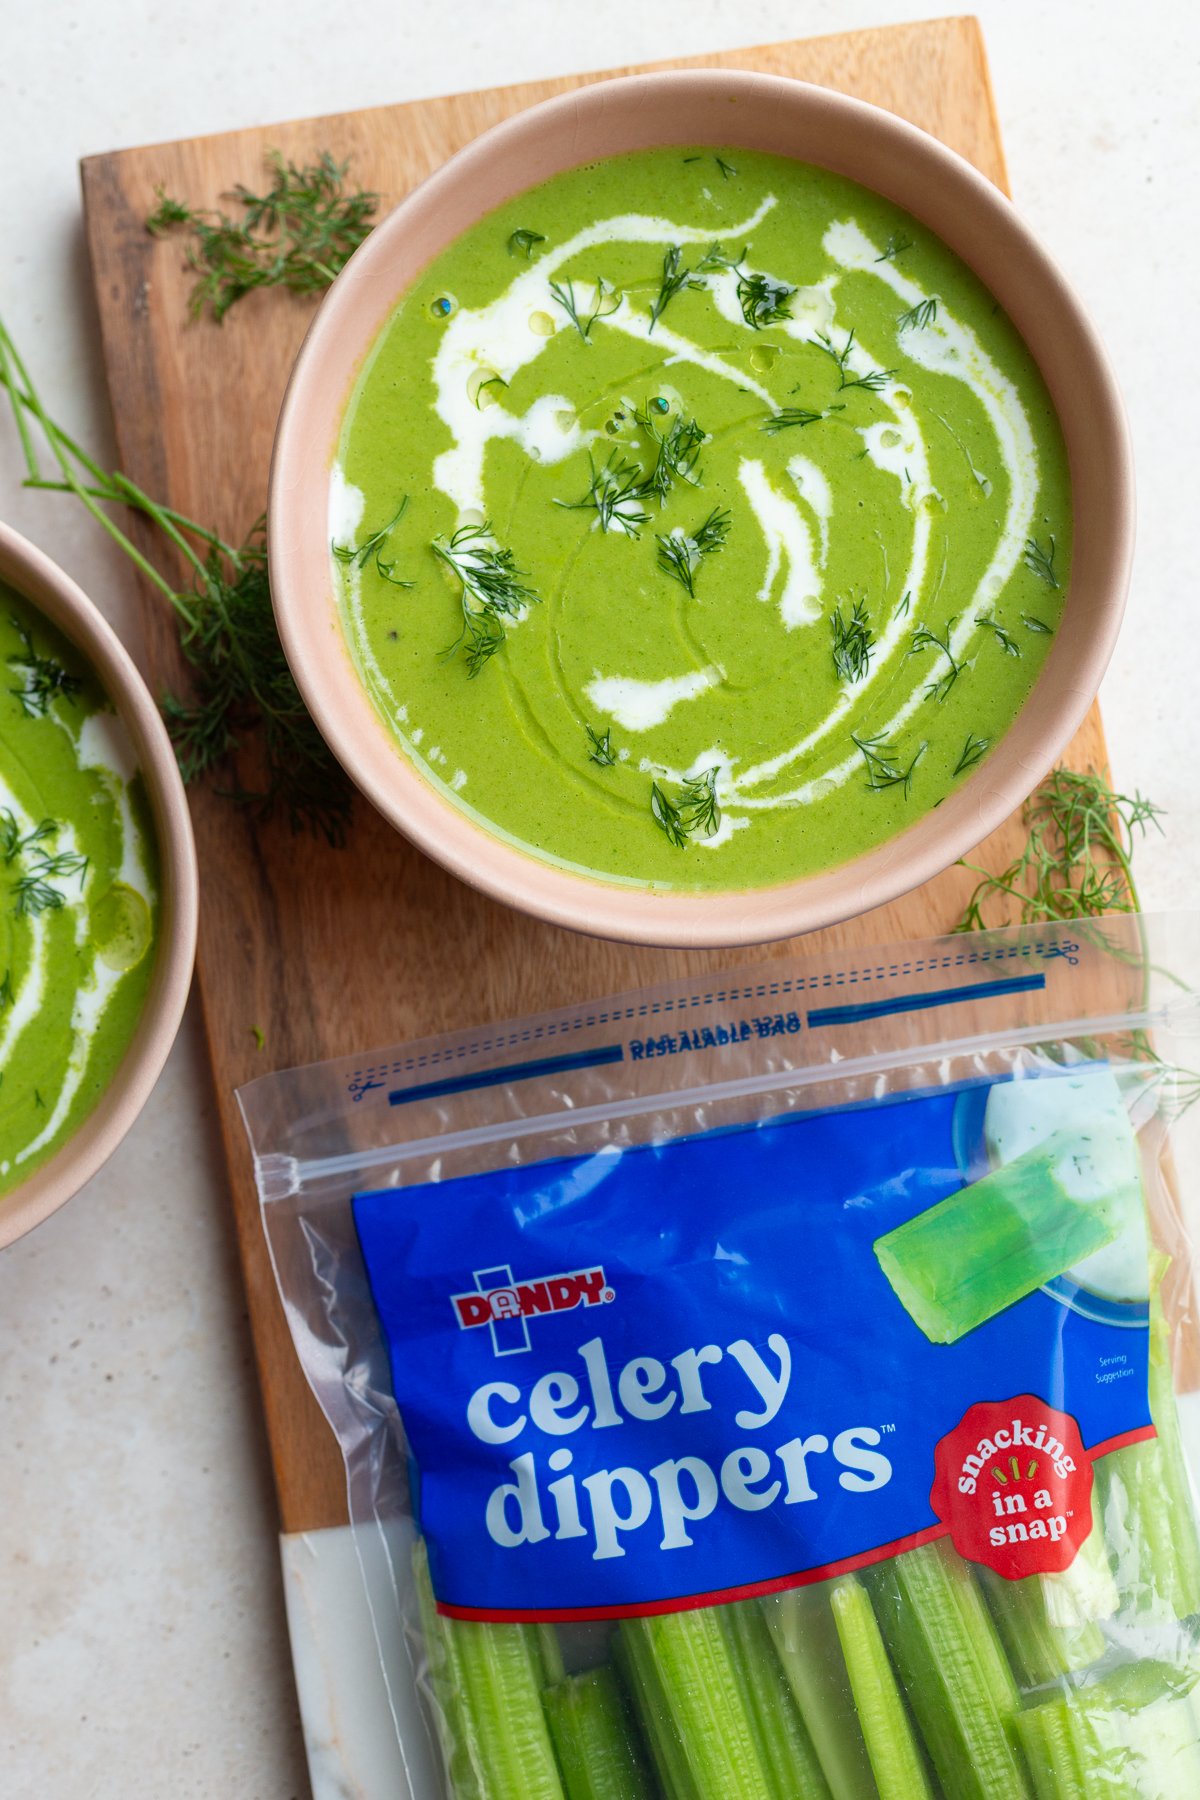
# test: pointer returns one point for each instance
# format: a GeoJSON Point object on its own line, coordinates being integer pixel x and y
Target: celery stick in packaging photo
{"type": "Point", "coordinates": [773, 1386]}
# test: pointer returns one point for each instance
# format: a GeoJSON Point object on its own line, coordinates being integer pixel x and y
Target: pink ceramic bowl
{"type": "Point", "coordinates": [44, 585]}
{"type": "Point", "coordinates": [814, 125]}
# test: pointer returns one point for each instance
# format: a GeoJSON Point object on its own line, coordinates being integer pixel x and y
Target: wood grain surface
{"type": "Point", "coordinates": [328, 952]}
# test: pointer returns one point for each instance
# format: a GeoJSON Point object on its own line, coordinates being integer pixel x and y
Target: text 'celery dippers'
{"type": "Point", "coordinates": [963, 1261]}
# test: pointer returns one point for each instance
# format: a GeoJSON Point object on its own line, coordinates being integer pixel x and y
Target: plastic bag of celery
{"type": "Point", "coordinates": [1052, 1220]}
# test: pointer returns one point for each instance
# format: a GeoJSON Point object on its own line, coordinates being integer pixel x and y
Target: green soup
{"type": "Point", "coordinates": [737, 525]}
{"type": "Point", "coordinates": [78, 890]}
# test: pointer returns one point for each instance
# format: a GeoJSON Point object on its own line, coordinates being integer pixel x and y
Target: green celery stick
{"type": "Point", "coordinates": [1050, 1737]}
{"type": "Point", "coordinates": [1049, 1624]}
{"type": "Point", "coordinates": [953, 1671]}
{"type": "Point", "coordinates": [806, 1641]}
{"type": "Point", "coordinates": [1135, 1735]}
{"type": "Point", "coordinates": [598, 1753]}
{"type": "Point", "coordinates": [784, 1746]}
{"type": "Point", "coordinates": [896, 1760]}
{"type": "Point", "coordinates": [550, 1653]}
{"type": "Point", "coordinates": [704, 1704]}
{"type": "Point", "coordinates": [1146, 1503]}
{"type": "Point", "coordinates": [487, 1681]}
{"type": "Point", "coordinates": [639, 1674]}
{"type": "Point", "coordinates": [963, 1261]}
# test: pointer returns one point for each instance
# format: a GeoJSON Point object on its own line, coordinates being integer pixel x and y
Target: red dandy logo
{"type": "Point", "coordinates": [503, 1303]}
{"type": "Point", "coordinates": [1013, 1483]}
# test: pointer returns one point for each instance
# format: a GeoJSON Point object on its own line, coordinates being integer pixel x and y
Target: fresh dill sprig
{"type": "Point", "coordinates": [1076, 862]}
{"type": "Point", "coordinates": [699, 804]}
{"type": "Point", "coordinates": [789, 416]}
{"type": "Point", "coordinates": [853, 642]}
{"type": "Point", "coordinates": [1005, 639]}
{"type": "Point", "coordinates": [360, 554]}
{"type": "Point", "coordinates": [919, 316]}
{"type": "Point", "coordinates": [1037, 625]}
{"type": "Point", "coordinates": [298, 235]}
{"type": "Point", "coordinates": [524, 243]}
{"type": "Point", "coordinates": [1041, 562]}
{"type": "Point", "coordinates": [905, 603]}
{"type": "Point", "coordinates": [492, 590]}
{"type": "Point", "coordinates": [727, 169]}
{"type": "Point", "coordinates": [601, 751]}
{"type": "Point", "coordinates": [873, 379]}
{"type": "Point", "coordinates": [676, 452]}
{"type": "Point", "coordinates": [13, 844]}
{"type": "Point", "coordinates": [34, 889]}
{"type": "Point", "coordinates": [667, 816]}
{"type": "Point", "coordinates": [680, 553]}
{"type": "Point", "coordinates": [896, 245]}
{"type": "Point", "coordinates": [491, 382]}
{"type": "Point", "coordinates": [43, 678]}
{"type": "Point", "coordinates": [764, 300]}
{"type": "Point", "coordinates": [924, 638]}
{"type": "Point", "coordinates": [615, 491]}
{"type": "Point", "coordinates": [883, 764]}
{"type": "Point", "coordinates": [674, 278]}
{"type": "Point", "coordinates": [696, 809]}
{"type": "Point", "coordinates": [973, 751]}
{"type": "Point", "coordinates": [241, 685]}
{"type": "Point", "coordinates": [605, 301]}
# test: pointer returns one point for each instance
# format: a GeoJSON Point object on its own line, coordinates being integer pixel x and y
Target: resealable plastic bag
{"type": "Point", "coordinates": [774, 1385]}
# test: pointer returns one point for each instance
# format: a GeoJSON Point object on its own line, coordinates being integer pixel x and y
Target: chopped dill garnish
{"type": "Point", "coordinates": [372, 547]}
{"type": "Point", "coordinates": [764, 300]}
{"type": "Point", "coordinates": [696, 809]}
{"type": "Point", "coordinates": [524, 242]}
{"type": "Point", "coordinates": [925, 639]}
{"type": "Point", "coordinates": [43, 678]}
{"type": "Point", "coordinates": [605, 301]}
{"type": "Point", "coordinates": [787, 416]}
{"type": "Point", "coordinates": [1005, 639]}
{"type": "Point", "coordinates": [34, 889]}
{"type": "Point", "coordinates": [680, 553]}
{"type": "Point", "coordinates": [896, 245]}
{"type": "Point", "coordinates": [905, 603]}
{"type": "Point", "coordinates": [853, 642]}
{"type": "Point", "coordinates": [6, 989]}
{"type": "Point", "coordinates": [601, 751]}
{"type": "Point", "coordinates": [37, 1099]}
{"type": "Point", "coordinates": [1041, 562]}
{"type": "Point", "coordinates": [13, 844]}
{"type": "Point", "coordinates": [873, 380]}
{"type": "Point", "coordinates": [727, 169]}
{"type": "Point", "coordinates": [1077, 859]}
{"type": "Point", "coordinates": [298, 235]}
{"type": "Point", "coordinates": [919, 316]}
{"type": "Point", "coordinates": [492, 590]}
{"type": "Point", "coordinates": [615, 491]}
{"type": "Point", "coordinates": [973, 751]}
{"type": "Point", "coordinates": [677, 451]}
{"type": "Point", "coordinates": [883, 765]}
{"type": "Point", "coordinates": [667, 816]}
{"type": "Point", "coordinates": [675, 277]}
{"type": "Point", "coordinates": [1032, 624]}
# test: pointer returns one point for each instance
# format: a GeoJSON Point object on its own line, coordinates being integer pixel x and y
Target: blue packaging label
{"type": "Point", "coordinates": [654, 1377]}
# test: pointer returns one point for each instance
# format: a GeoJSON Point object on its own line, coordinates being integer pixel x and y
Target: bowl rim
{"type": "Point", "coordinates": [50, 591]}
{"type": "Point", "coordinates": [986, 229]}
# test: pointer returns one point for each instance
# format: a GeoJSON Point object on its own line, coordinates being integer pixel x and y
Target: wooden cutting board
{"type": "Point", "coordinates": [334, 951]}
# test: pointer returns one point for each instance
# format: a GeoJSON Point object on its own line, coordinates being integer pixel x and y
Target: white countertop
{"type": "Point", "coordinates": [143, 1649]}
